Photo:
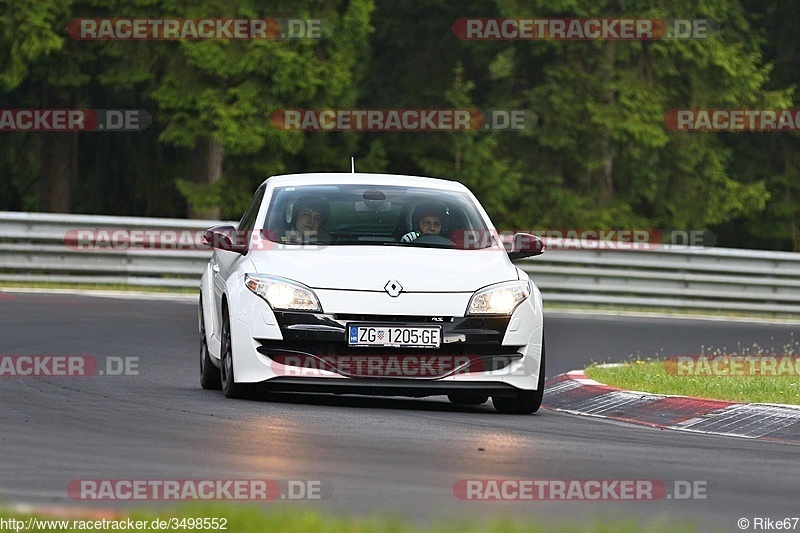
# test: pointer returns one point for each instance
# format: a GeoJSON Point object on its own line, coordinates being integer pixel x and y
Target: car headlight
{"type": "Point", "coordinates": [281, 293]}
{"type": "Point", "coordinates": [499, 299]}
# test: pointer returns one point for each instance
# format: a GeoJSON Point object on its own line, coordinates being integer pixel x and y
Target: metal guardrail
{"type": "Point", "coordinates": [673, 277]}
{"type": "Point", "coordinates": [33, 249]}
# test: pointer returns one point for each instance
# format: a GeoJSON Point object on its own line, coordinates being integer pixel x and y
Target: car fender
{"type": "Point", "coordinates": [249, 308]}
{"type": "Point", "coordinates": [526, 328]}
{"type": "Point", "coordinates": [209, 312]}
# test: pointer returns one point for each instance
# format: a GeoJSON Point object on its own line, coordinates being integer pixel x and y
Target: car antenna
{"type": "Point", "coordinates": [352, 165]}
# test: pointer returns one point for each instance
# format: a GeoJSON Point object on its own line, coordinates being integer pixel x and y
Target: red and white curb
{"type": "Point", "coordinates": [574, 393]}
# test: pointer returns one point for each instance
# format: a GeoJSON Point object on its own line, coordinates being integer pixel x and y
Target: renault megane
{"type": "Point", "coordinates": [371, 284]}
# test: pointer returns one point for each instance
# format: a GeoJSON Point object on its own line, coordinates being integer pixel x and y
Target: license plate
{"type": "Point", "coordinates": [395, 336]}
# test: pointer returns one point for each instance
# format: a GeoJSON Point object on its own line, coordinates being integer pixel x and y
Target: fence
{"type": "Point", "coordinates": [32, 249]}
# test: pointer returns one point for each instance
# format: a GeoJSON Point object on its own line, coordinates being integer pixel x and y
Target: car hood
{"type": "Point", "coordinates": [371, 268]}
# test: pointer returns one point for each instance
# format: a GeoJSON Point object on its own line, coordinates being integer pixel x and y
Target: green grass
{"type": "Point", "coordinates": [651, 376]}
{"type": "Point", "coordinates": [96, 286]}
{"type": "Point", "coordinates": [258, 519]}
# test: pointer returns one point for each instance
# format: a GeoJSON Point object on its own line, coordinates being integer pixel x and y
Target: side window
{"type": "Point", "coordinates": [249, 218]}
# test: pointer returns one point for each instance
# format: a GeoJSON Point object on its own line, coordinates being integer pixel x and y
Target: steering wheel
{"type": "Point", "coordinates": [437, 240]}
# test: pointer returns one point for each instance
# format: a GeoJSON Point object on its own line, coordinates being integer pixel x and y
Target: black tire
{"type": "Point", "coordinates": [525, 402]}
{"type": "Point", "coordinates": [209, 374]}
{"type": "Point", "coordinates": [230, 388]}
{"type": "Point", "coordinates": [468, 399]}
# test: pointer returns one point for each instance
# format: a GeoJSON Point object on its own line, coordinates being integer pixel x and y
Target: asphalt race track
{"type": "Point", "coordinates": [394, 455]}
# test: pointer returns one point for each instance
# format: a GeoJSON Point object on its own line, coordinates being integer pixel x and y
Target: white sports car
{"type": "Point", "coordinates": [371, 284]}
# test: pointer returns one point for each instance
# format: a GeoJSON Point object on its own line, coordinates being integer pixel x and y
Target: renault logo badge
{"type": "Point", "coordinates": [394, 288]}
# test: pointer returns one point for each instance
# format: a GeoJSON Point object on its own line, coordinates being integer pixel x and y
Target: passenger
{"type": "Point", "coordinates": [429, 217]}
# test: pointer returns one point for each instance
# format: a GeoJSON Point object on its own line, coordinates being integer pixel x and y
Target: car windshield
{"type": "Point", "coordinates": [375, 215]}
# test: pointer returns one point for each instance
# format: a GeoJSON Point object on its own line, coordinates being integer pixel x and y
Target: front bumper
{"type": "Point", "coordinates": [496, 355]}
{"type": "Point", "coordinates": [389, 387]}
{"type": "Point", "coordinates": [319, 342]}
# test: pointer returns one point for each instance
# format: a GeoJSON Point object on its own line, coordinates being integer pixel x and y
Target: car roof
{"type": "Point", "coordinates": [342, 178]}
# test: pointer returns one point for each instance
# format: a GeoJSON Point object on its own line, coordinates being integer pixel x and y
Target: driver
{"type": "Point", "coordinates": [428, 217]}
{"type": "Point", "coordinates": [309, 214]}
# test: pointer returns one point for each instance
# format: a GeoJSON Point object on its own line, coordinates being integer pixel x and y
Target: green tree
{"type": "Point", "coordinates": [475, 159]}
{"type": "Point", "coordinates": [216, 97]}
{"type": "Point", "coordinates": [29, 43]}
{"type": "Point", "coordinates": [601, 106]}
{"type": "Point", "coordinates": [773, 158]}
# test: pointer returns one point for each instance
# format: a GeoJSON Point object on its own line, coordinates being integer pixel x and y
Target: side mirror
{"type": "Point", "coordinates": [224, 238]}
{"type": "Point", "coordinates": [525, 245]}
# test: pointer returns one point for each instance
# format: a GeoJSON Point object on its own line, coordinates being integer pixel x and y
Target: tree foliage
{"type": "Point", "coordinates": [598, 155]}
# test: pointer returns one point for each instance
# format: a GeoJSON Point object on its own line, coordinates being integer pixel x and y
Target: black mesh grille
{"type": "Point", "coordinates": [339, 348]}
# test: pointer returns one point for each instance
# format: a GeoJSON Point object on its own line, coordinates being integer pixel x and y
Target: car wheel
{"type": "Point", "coordinates": [525, 402]}
{"type": "Point", "coordinates": [209, 374]}
{"type": "Point", "coordinates": [468, 399]}
{"type": "Point", "coordinates": [230, 388]}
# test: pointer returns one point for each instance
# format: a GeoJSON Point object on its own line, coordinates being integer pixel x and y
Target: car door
{"type": "Point", "coordinates": [224, 262]}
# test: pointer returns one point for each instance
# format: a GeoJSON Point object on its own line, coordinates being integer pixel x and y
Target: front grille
{"type": "Point", "coordinates": [322, 349]}
{"type": "Point", "coordinates": [389, 362]}
{"type": "Point", "coordinates": [299, 327]}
